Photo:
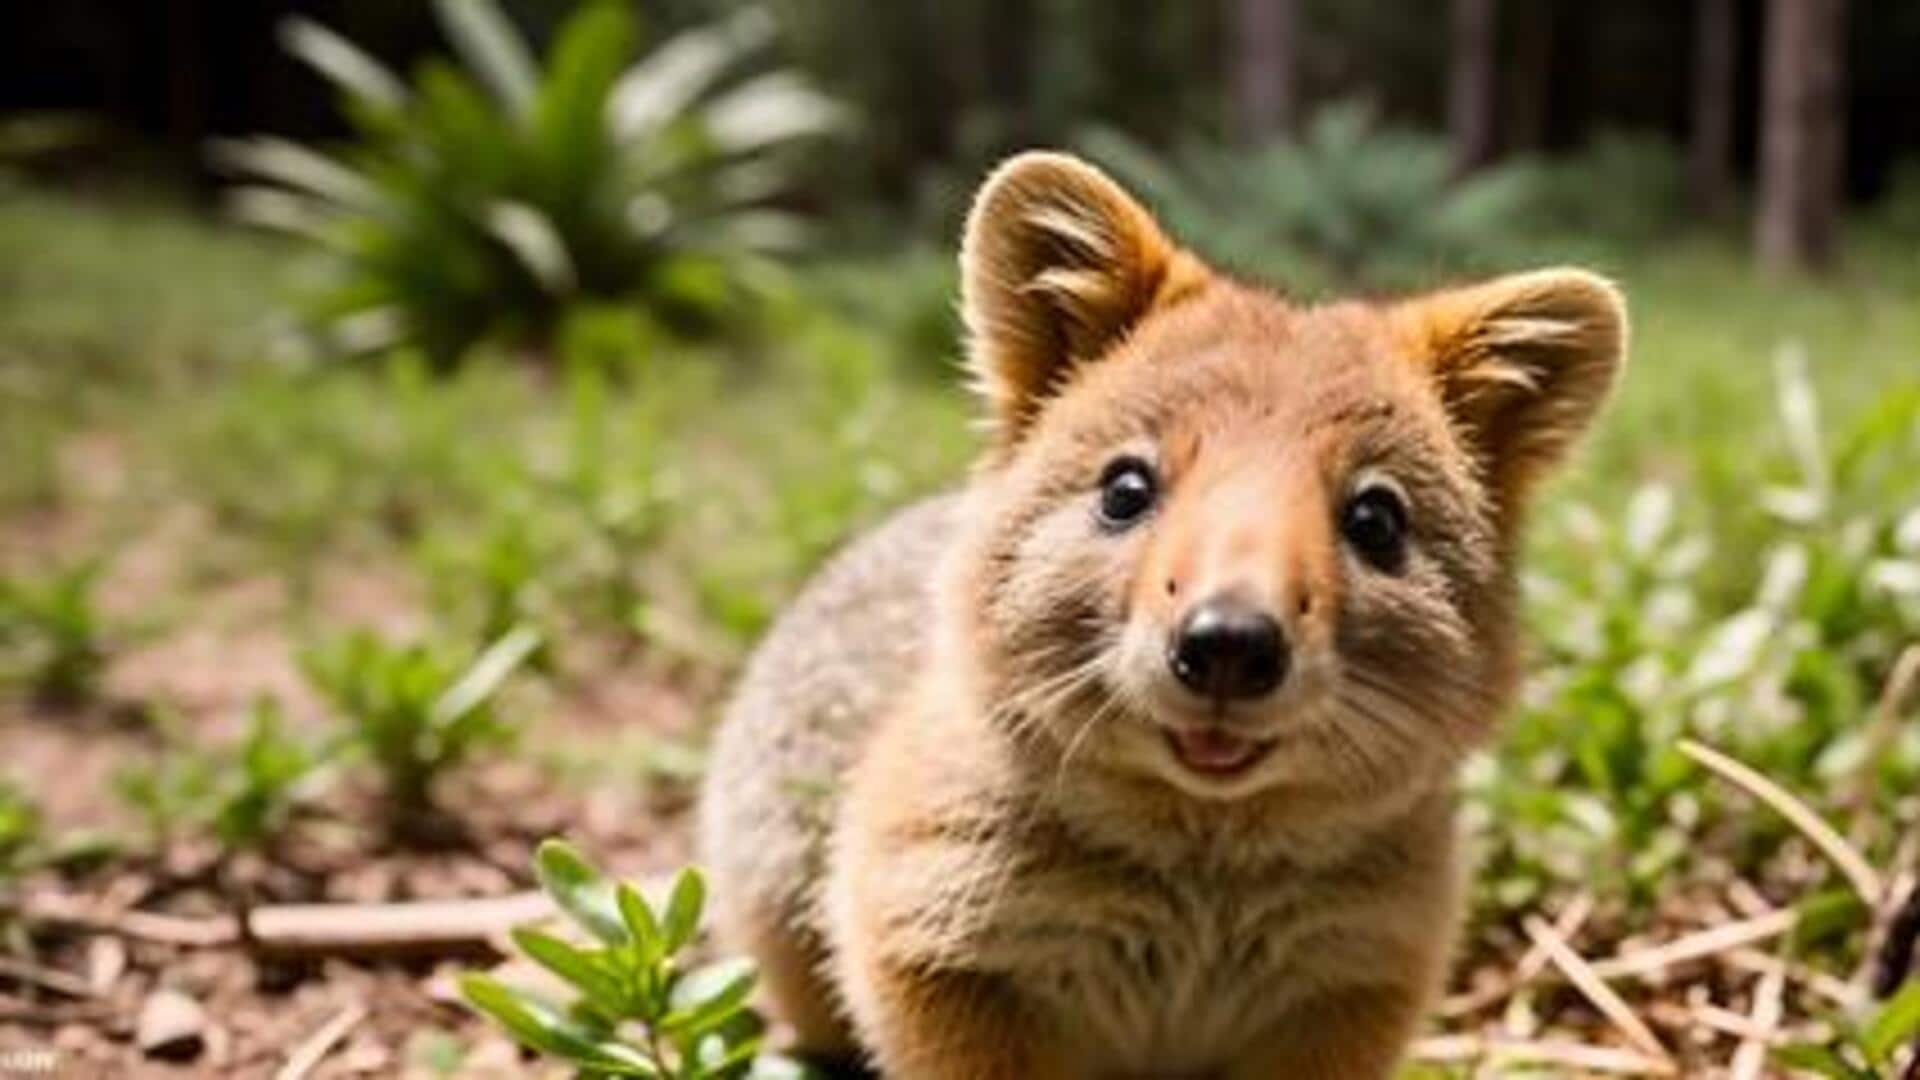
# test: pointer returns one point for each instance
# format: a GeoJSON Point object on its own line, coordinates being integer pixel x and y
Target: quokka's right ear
{"type": "Point", "coordinates": [1057, 265]}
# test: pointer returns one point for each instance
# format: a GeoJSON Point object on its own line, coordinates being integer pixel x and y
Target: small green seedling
{"type": "Point", "coordinates": [241, 795]}
{"type": "Point", "coordinates": [52, 635]}
{"type": "Point", "coordinates": [416, 711]}
{"type": "Point", "coordinates": [638, 1011]}
{"type": "Point", "coordinates": [19, 831]}
{"type": "Point", "coordinates": [1868, 1049]}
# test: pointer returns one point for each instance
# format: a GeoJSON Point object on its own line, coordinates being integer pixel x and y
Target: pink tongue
{"type": "Point", "coordinates": [1211, 749]}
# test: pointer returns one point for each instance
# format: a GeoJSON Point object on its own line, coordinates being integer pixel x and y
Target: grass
{"type": "Point", "coordinates": [1732, 560]}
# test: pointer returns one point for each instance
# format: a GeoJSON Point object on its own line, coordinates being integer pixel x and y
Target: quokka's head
{"type": "Point", "coordinates": [1238, 544]}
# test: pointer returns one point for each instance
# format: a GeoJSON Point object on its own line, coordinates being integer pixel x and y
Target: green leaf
{"type": "Point", "coordinates": [342, 62]}
{"type": "Point", "coordinates": [537, 1024]}
{"type": "Point", "coordinates": [1820, 1059]}
{"type": "Point", "coordinates": [538, 246]}
{"type": "Point", "coordinates": [707, 997]}
{"type": "Point", "coordinates": [640, 921]}
{"type": "Point", "coordinates": [292, 165]}
{"type": "Point", "coordinates": [773, 108]}
{"type": "Point", "coordinates": [483, 678]}
{"type": "Point", "coordinates": [1893, 1025]}
{"type": "Point", "coordinates": [682, 920]}
{"type": "Point", "coordinates": [580, 891]}
{"type": "Point", "coordinates": [492, 49]}
{"type": "Point", "coordinates": [660, 88]}
{"type": "Point", "coordinates": [602, 987]}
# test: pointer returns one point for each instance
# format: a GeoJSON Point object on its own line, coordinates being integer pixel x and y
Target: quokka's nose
{"type": "Point", "coordinates": [1227, 649]}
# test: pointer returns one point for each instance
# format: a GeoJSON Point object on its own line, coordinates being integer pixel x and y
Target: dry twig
{"type": "Point", "coordinates": [1768, 1003]}
{"type": "Point", "coordinates": [424, 926]}
{"type": "Point", "coordinates": [318, 1045]}
{"type": "Point", "coordinates": [1603, 997]}
{"type": "Point", "coordinates": [1706, 943]}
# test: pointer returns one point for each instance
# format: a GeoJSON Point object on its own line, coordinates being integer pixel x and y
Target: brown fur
{"type": "Point", "coordinates": [942, 810]}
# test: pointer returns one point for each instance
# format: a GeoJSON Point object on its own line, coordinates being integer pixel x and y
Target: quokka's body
{"type": "Point", "coordinates": [1135, 756]}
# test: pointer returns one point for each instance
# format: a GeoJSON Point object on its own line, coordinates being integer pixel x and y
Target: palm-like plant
{"type": "Point", "coordinates": [488, 196]}
{"type": "Point", "coordinates": [1346, 205]}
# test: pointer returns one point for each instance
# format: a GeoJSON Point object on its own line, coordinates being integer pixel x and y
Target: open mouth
{"type": "Point", "coordinates": [1216, 752]}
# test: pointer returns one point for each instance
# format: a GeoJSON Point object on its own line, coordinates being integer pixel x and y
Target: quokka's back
{"type": "Point", "coordinates": [1136, 757]}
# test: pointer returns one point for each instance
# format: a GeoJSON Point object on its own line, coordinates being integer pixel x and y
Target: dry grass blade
{"type": "Point", "coordinates": [1845, 857]}
{"type": "Point", "coordinates": [1895, 695]}
{"type": "Point", "coordinates": [1473, 1049]}
{"type": "Point", "coordinates": [1566, 924]}
{"type": "Point", "coordinates": [1706, 943]}
{"type": "Point", "coordinates": [1603, 997]}
{"type": "Point", "coordinates": [1750, 1061]}
{"type": "Point", "coordinates": [317, 1046]}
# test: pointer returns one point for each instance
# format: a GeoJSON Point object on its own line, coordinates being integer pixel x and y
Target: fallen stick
{"type": "Point", "coordinates": [411, 927]}
{"type": "Point", "coordinates": [45, 978]}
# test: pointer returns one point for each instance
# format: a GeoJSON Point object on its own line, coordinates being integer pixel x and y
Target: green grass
{"type": "Point", "coordinates": [671, 495]}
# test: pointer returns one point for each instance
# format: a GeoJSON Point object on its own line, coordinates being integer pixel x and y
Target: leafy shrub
{"type": "Point", "coordinates": [416, 710]}
{"type": "Point", "coordinates": [1621, 188]}
{"type": "Point", "coordinates": [484, 200]}
{"type": "Point", "coordinates": [52, 635]}
{"type": "Point", "coordinates": [1347, 205]}
{"type": "Point", "coordinates": [639, 1010]}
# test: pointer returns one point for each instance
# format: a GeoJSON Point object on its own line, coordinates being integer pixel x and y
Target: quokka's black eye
{"type": "Point", "coordinates": [1128, 491]}
{"type": "Point", "coordinates": [1374, 523]}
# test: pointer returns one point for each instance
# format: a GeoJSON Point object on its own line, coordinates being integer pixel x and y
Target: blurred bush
{"type": "Point", "coordinates": [1622, 188]}
{"type": "Point", "coordinates": [1347, 205]}
{"type": "Point", "coordinates": [487, 198]}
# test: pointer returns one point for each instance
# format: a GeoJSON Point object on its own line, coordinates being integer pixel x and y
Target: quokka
{"type": "Point", "coordinates": [1136, 756]}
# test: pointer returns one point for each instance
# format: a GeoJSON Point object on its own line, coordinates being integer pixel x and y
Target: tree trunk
{"type": "Point", "coordinates": [1473, 83]}
{"type": "Point", "coordinates": [1800, 148]}
{"type": "Point", "coordinates": [1266, 36]}
{"type": "Point", "coordinates": [1710, 152]}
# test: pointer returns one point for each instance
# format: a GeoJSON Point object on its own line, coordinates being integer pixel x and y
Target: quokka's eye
{"type": "Point", "coordinates": [1374, 523]}
{"type": "Point", "coordinates": [1128, 491]}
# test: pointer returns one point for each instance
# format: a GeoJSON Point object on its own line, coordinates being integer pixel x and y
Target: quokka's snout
{"type": "Point", "coordinates": [1136, 755]}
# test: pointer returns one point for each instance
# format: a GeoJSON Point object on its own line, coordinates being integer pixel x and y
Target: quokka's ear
{"type": "Point", "coordinates": [1522, 364]}
{"type": "Point", "coordinates": [1057, 264]}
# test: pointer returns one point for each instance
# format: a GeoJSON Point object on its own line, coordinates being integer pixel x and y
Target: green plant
{"type": "Point", "coordinates": [416, 710]}
{"type": "Point", "coordinates": [52, 634]}
{"type": "Point", "coordinates": [1348, 204]}
{"type": "Point", "coordinates": [1622, 188]}
{"type": "Point", "coordinates": [20, 831]}
{"type": "Point", "coordinates": [487, 199]}
{"type": "Point", "coordinates": [241, 795]}
{"type": "Point", "coordinates": [1768, 633]}
{"type": "Point", "coordinates": [638, 1010]}
{"type": "Point", "coordinates": [1864, 1049]}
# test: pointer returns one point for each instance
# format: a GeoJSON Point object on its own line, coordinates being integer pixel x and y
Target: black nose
{"type": "Point", "coordinates": [1228, 649]}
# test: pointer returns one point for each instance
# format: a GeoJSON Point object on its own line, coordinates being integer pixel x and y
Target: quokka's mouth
{"type": "Point", "coordinates": [1216, 752]}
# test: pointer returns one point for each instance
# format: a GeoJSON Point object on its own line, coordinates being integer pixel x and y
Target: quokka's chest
{"type": "Point", "coordinates": [1174, 975]}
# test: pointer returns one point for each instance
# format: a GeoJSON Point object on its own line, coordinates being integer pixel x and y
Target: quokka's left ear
{"type": "Point", "coordinates": [1522, 363]}
{"type": "Point", "coordinates": [1057, 265]}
